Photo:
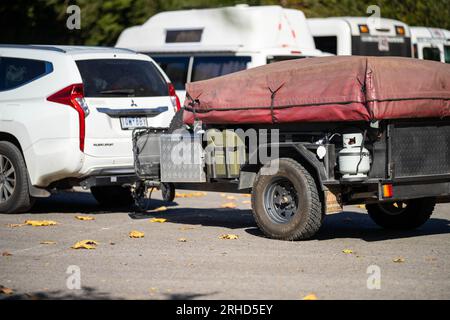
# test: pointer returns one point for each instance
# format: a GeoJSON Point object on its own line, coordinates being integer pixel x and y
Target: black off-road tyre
{"type": "Point", "coordinates": [401, 217]}
{"type": "Point", "coordinates": [306, 217]}
{"type": "Point", "coordinates": [19, 200]}
{"type": "Point", "coordinates": [177, 121]}
{"type": "Point", "coordinates": [168, 191]}
{"type": "Point", "coordinates": [113, 196]}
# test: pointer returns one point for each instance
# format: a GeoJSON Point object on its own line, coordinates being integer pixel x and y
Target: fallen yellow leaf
{"type": "Point", "coordinates": [48, 242]}
{"type": "Point", "coordinates": [231, 198]}
{"type": "Point", "coordinates": [159, 209]}
{"type": "Point", "coordinates": [246, 202]}
{"type": "Point", "coordinates": [223, 195]}
{"type": "Point", "coordinates": [40, 223]}
{"type": "Point", "coordinates": [347, 251]}
{"type": "Point", "coordinates": [159, 220]}
{"type": "Point", "coordinates": [136, 234]}
{"type": "Point", "coordinates": [399, 260]}
{"type": "Point", "coordinates": [246, 195]}
{"type": "Point", "coordinates": [229, 237]}
{"type": "Point", "coordinates": [361, 206]}
{"type": "Point", "coordinates": [229, 205]}
{"type": "Point", "coordinates": [199, 194]}
{"type": "Point", "coordinates": [5, 290]}
{"type": "Point", "coordinates": [310, 296]}
{"type": "Point", "coordinates": [85, 244]}
{"type": "Point", "coordinates": [182, 240]}
{"type": "Point", "coordinates": [84, 218]}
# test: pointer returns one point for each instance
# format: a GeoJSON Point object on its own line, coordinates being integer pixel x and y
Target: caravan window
{"type": "Point", "coordinates": [210, 67]}
{"type": "Point", "coordinates": [433, 54]}
{"type": "Point", "coordinates": [272, 59]}
{"type": "Point", "coordinates": [189, 35]}
{"type": "Point", "coordinates": [447, 54]}
{"type": "Point", "coordinates": [176, 69]}
{"type": "Point", "coordinates": [326, 44]}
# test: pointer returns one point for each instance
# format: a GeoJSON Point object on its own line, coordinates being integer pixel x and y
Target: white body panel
{"type": "Point", "coordinates": [48, 132]}
{"type": "Point", "coordinates": [430, 38]}
{"type": "Point", "coordinates": [344, 28]}
{"type": "Point", "coordinates": [256, 32]}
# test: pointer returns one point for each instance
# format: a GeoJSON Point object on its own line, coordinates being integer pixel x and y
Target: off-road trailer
{"type": "Point", "coordinates": [399, 168]}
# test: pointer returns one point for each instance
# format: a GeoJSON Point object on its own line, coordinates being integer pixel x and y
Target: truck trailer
{"type": "Point", "coordinates": [307, 137]}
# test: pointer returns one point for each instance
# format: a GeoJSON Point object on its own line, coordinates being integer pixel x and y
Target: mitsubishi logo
{"type": "Point", "coordinates": [133, 104]}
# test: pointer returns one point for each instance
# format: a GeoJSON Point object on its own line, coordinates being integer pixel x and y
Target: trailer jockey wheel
{"type": "Point", "coordinates": [168, 191]}
{"type": "Point", "coordinates": [401, 215]}
{"type": "Point", "coordinates": [286, 204]}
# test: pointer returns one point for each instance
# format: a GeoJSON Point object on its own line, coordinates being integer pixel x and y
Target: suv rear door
{"type": "Point", "coordinates": [122, 94]}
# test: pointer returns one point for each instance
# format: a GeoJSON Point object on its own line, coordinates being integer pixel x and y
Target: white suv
{"type": "Point", "coordinates": [66, 118]}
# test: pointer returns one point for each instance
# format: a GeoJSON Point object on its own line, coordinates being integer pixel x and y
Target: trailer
{"type": "Point", "coordinates": [307, 137]}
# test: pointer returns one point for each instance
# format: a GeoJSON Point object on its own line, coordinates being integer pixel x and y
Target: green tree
{"type": "Point", "coordinates": [44, 21]}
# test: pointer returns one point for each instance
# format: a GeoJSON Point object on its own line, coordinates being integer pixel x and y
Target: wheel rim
{"type": "Point", "coordinates": [281, 200]}
{"type": "Point", "coordinates": [7, 179]}
{"type": "Point", "coordinates": [394, 208]}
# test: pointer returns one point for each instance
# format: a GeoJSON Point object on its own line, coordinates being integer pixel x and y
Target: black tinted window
{"type": "Point", "coordinates": [272, 59]}
{"type": "Point", "coordinates": [210, 67]}
{"type": "Point", "coordinates": [326, 44]}
{"type": "Point", "coordinates": [176, 68]}
{"type": "Point", "coordinates": [370, 46]}
{"type": "Point", "coordinates": [120, 77]}
{"type": "Point", "coordinates": [189, 35]}
{"type": "Point", "coordinates": [16, 72]}
{"type": "Point", "coordinates": [447, 54]}
{"type": "Point", "coordinates": [432, 54]}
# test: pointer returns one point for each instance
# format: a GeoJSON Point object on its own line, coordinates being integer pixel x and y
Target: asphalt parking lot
{"type": "Point", "coordinates": [184, 257]}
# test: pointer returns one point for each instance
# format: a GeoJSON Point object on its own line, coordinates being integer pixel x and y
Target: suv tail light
{"type": "Point", "coordinates": [174, 98]}
{"type": "Point", "coordinates": [73, 96]}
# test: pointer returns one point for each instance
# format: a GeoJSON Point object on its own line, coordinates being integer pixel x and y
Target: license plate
{"type": "Point", "coordinates": [128, 123]}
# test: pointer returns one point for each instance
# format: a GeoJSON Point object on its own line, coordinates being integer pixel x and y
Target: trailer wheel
{"type": "Point", "coordinates": [402, 215]}
{"type": "Point", "coordinates": [112, 196]}
{"type": "Point", "coordinates": [168, 191]}
{"type": "Point", "coordinates": [286, 205]}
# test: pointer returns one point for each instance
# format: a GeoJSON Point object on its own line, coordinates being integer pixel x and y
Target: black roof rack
{"type": "Point", "coordinates": [32, 46]}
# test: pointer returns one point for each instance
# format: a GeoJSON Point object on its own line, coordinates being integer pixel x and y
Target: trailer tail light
{"type": "Point", "coordinates": [399, 30]}
{"type": "Point", "coordinates": [73, 96]}
{"type": "Point", "coordinates": [363, 28]}
{"type": "Point", "coordinates": [388, 191]}
{"type": "Point", "coordinates": [174, 98]}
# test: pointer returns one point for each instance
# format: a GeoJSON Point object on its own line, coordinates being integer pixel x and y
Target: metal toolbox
{"type": "Point", "coordinates": [182, 158]}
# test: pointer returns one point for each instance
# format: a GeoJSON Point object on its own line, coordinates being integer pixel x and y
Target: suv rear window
{"type": "Point", "coordinates": [210, 67]}
{"type": "Point", "coordinates": [121, 78]}
{"type": "Point", "coordinates": [16, 72]}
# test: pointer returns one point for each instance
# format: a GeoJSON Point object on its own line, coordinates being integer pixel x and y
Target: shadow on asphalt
{"type": "Point", "coordinates": [81, 202]}
{"type": "Point", "coordinates": [86, 293]}
{"type": "Point", "coordinates": [358, 225]}
{"type": "Point", "coordinates": [348, 224]}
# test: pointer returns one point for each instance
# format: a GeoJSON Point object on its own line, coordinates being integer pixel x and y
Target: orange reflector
{"type": "Point", "coordinates": [400, 30]}
{"type": "Point", "coordinates": [363, 28]}
{"type": "Point", "coordinates": [387, 191]}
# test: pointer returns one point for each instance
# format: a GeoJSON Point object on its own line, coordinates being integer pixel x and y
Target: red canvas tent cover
{"type": "Point", "coordinates": [322, 90]}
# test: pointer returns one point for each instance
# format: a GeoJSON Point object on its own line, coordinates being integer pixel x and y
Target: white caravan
{"type": "Point", "coordinates": [193, 45]}
{"type": "Point", "coordinates": [365, 36]}
{"type": "Point", "coordinates": [431, 44]}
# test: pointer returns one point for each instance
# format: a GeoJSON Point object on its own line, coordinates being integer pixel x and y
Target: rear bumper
{"type": "Point", "coordinates": [108, 180]}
